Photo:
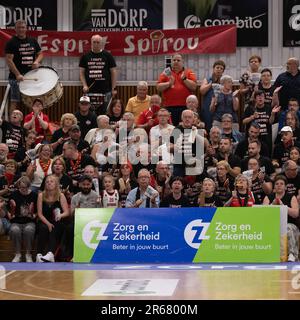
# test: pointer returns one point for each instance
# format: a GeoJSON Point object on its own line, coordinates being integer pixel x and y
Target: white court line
{"type": "Point", "coordinates": [7, 274]}
{"type": "Point", "coordinates": [294, 292]}
{"type": "Point", "coordinates": [29, 295]}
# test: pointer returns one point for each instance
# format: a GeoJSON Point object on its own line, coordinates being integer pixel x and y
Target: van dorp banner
{"type": "Point", "coordinates": [38, 15]}
{"type": "Point", "coordinates": [220, 39]}
{"type": "Point", "coordinates": [117, 15]}
{"type": "Point", "coordinates": [250, 17]}
{"type": "Point", "coordinates": [291, 23]}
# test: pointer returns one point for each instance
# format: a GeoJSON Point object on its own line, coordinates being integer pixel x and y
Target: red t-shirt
{"type": "Point", "coordinates": [236, 202]}
{"type": "Point", "coordinates": [40, 131]}
{"type": "Point", "coordinates": [176, 95]}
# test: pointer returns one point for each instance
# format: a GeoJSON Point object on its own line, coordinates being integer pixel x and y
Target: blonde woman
{"type": "Point", "coordinates": [208, 197]}
{"type": "Point", "coordinates": [52, 208]}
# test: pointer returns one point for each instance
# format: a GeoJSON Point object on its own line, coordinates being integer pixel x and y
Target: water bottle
{"type": "Point", "coordinates": [56, 212]}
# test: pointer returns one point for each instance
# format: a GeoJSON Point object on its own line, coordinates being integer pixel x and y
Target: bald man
{"type": "Point", "coordinates": [290, 83]}
{"type": "Point", "coordinates": [98, 75]}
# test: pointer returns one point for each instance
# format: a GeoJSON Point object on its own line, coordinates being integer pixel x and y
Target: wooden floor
{"type": "Point", "coordinates": [206, 283]}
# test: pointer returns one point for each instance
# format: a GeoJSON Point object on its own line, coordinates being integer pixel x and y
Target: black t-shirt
{"type": "Point", "coordinates": [86, 123]}
{"type": "Point", "coordinates": [24, 51]}
{"type": "Point", "coordinates": [65, 182]}
{"type": "Point", "coordinates": [286, 200]}
{"type": "Point", "coordinates": [293, 185]}
{"type": "Point", "coordinates": [170, 202]}
{"type": "Point", "coordinates": [97, 70]}
{"type": "Point", "coordinates": [281, 153]}
{"type": "Point", "coordinates": [57, 134]}
{"type": "Point", "coordinates": [233, 160]}
{"type": "Point", "coordinates": [222, 192]}
{"type": "Point", "coordinates": [25, 206]}
{"type": "Point", "coordinates": [263, 162]}
{"type": "Point", "coordinates": [257, 190]}
{"type": "Point", "coordinates": [12, 136]}
{"type": "Point", "coordinates": [213, 201]}
{"type": "Point", "coordinates": [242, 149]}
{"type": "Point", "coordinates": [268, 93]}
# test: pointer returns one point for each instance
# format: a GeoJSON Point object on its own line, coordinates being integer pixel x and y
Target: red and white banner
{"type": "Point", "coordinates": [218, 39]}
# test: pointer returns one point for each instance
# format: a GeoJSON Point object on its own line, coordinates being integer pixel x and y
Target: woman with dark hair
{"type": "Point", "coordinates": [295, 155]}
{"type": "Point", "coordinates": [115, 112]}
{"type": "Point", "coordinates": [281, 197]}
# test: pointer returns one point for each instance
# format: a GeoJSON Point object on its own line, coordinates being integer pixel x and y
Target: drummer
{"type": "Point", "coordinates": [37, 120]}
{"type": "Point", "coordinates": [22, 55]}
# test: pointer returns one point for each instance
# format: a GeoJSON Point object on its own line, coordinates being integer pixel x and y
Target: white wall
{"type": "Point", "coordinates": [148, 67]}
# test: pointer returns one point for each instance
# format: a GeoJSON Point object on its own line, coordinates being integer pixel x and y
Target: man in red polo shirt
{"type": "Point", "coordinates": [176, 84]}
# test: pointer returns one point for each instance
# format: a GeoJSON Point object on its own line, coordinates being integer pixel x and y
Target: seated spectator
{"type": "Point", "coordinates": [160, 181]}
{"type": "Point", "coordinates": [86, 119]}
{"type": "Point", "coordinates": [92, 172]}
{"type": "Point", "coordinates": [110, 196]}
{"type": "Point", "coordinates": [40, 167]}
{"type": "Point", "coordinates": [4, 219]}
{"type": "Point", "coordinates": [207, 91]}
{"type": "Point", "coordinates": [176, 198]}
{"type": "Point", "coordinates": [208, 197]}
{"type": "Point", "coordinates": [148, 118]}
{"type": "Point", "coordinates": [292, 121]}
{"type": "Point", "coordinates": [13, 132]}
{"type": "Point", "coordinates": [3, 156]}
{"type": "Point", "coordinates": [22, 215]}
{"type": "Point", "coordinates": [140, 102]}
{"type": "Point", "coordinates": [75, 136]}
{"type": "Point", "coordinates": [115, 112]}
{"type": "Point", "coordinates": [95, 135]}
{"type": "Point", "coordinates": [282, 149]}
{"type": "Point", "coordinates": [37, 120]}
{"type": "Point", "coordinates": [225, 102]}
{"type": "Point", "coordinates": [86, 197]}
{"type": "Point", "coordinates": [293, 105]}
{"type": "Point", "coordinates": [125, 127]}
{"type": "Point", "coordinates": [22, 154]}
{"type": "Point", "coordinates": [9, 178]}
{"type": "Point", "coordinates": [176, 84]}
{"type": "Point", "coordinates": [281, 197]}
{"type": "Point", "coordinates": [292, 175]}
{"type": "Point", "coordinates": [295, 156]}
{"type": "Point", "coordinates": [214, 138]}
{"type": "Point", "coordinates": [261, 184]}
{"type": "Point", "coordinates": [143, 196]}
{"type": "Point", "coordinates": [125, 182]}
{"type": "Point", "coordinates": [52, 209]}
{"type": "Point", "coordinates": [61, 135]}
{"type": "Point", "coordinates": [242, 195]}
{"type": "Point", "coordinates": [253, 134]}
{"type": "Point", "coordinates": [254, 148]}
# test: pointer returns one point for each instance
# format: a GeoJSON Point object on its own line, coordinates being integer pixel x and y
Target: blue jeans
{"type": "Point", "coordinates": [15, 95]}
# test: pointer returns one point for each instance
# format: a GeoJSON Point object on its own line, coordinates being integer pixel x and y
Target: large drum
{"type": "Point", "coordinates": [42, 83]}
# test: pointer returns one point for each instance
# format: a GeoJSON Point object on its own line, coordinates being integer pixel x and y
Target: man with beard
{"type": "Point", "coordinates": [290, 171]}
{"type": "Point", "coordinates": [86, 198]}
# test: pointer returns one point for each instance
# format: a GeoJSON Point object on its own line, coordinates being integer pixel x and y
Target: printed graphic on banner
{"type": "Point", "coordinates": [132, 287]}
{"type": "Point", "coordinates": [37, 14]}
{"type": "Point", "coordinates": [117, 15]}
{"type": "Point", "coordinates": [221, 39]}
{"type": "Point", "coordinates": [250, 17]}
{"type": "Point", "coordinates": [182, 235]}
{"type": "Point", "coordinates": [291, 23]}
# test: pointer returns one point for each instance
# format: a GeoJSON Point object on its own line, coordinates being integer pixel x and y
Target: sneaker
{"type": "Point", "coordinates": [17, 258]}
{"type": "Point", "coordinates": [291, 258]}
{"type": "Point", "coordinates": [28, 257]}
{"type": "Point", "coordinates": [49, 257]}
{"type": "Point", "coordinates": [39, 258]}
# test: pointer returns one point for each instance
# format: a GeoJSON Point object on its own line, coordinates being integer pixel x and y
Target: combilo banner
{"type": "Point", "coordinates": [220, 39]}
{"type": "Point", "coordinates": [117, 15]}
{"type": "Point", "coordinates": [38, 15]}
{"type": "Point", "coordinates": [177, 235]}
{"type": "Point", "coordinates": [250, 17]}
{"type": "Point", "coordinates": [291, 23]}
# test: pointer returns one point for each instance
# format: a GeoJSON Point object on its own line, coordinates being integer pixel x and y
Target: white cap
{"type": "Point", "coordinates": [286, 129]}
{"type": "Point", "coordinates": [85, 99]}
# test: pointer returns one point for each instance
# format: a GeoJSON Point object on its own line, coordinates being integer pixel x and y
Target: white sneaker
{"type": "Point", "coordinates": [291, 258]}
{"type": "Point", "coordinates": [28, 257]}
{"type": "Point", "coordinates": [17, 258]}
{"type": "Point", "coordinates": [49, 257]}
{"type": "Point", "coordinates": [39, 258]}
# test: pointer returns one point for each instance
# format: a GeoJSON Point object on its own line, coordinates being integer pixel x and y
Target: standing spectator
{"type": "Point", "coordinates": [225, 102]}
{"type": "Point", "coordinates": [13, 132]}
{"type": "Point", "coordinates": [22, 54]}
{"type": "Point", "coordinates": [290, 82]}
{"type": "Point", "coordinates": [52, 209]}
{"type": "Point", "coordinates": [176, 84]}
{"type": "Point", "coordinates": [98, 74]}
{"type": "Point", "coordinates": [140, 102]}
{"type": "Point", "coordinates": [86, 119]}
{"type": "Point", "coordinates": [3, 156]}
{"type": "Point", "coordinates": [281, 197]}
{"type": "Point", "coordinates": [22, 214]}
{"type": "Point", "coordinates": [143, 196]}
{"type": "Point", "coordinates": [37, 120]}
{"type": "Point", "coordinates": [293, 105]}
{"type": "Point", "coordinates": [266, 86]}
{"type": "Point", "coordinates": [227, 129]}
{"type": "Point", "coordinates": [207, 91]}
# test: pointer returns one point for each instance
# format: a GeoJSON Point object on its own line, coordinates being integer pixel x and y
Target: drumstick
{"type": "Point", "coordinates": [91, 85]}
{"type": "Point", "coordinates": [33, 79]}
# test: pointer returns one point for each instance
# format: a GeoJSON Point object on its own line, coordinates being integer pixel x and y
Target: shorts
{"type": "Point", "coordinates": [15, 95]}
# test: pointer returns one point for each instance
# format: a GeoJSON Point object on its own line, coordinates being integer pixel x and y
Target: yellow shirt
{"type": "Point", "coordinates": [136, 106]}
